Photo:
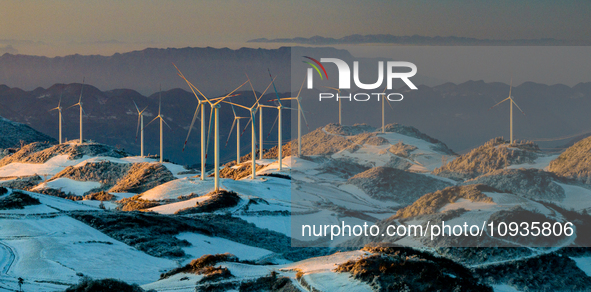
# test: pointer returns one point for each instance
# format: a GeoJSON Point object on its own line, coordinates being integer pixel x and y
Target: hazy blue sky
{"type": "Point", "coordinates": [61, 27]}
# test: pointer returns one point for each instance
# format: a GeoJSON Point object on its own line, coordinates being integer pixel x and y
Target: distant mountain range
{"type": "Point", "coordinates": [212, 70]}
{"type": "Point", "coordinates": [417, 40]}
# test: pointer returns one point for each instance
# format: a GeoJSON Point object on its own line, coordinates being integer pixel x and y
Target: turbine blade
{"type": "Point", "coordinates": [253, 92]}
{"type": "Point", "coordinates": [304, 115]}
{"type": "Point", "coordinates": [499, 102]}
{"type": "Point", "coordinates": [336, 89]}
{"type": "Point", "coordinates": [195, 117]}
{"type": "Point", "coordinates": [229, 94]}
{"type": "Point", "coordinates": [238, 105]}
{"type": "Point", "coordinates": [388, 102]}
{"type": "Point", "coordinates": [150, 122]}
{"type": "Point", "coordinates": [160, 102]}
{"type": "Point", "coordinates": [193, 87]}
{"type": "Point", "coordinates": [73, 105]}
{"type": "Point", "coordinates": [510, 86]}
{"type": "Point", "coordinates": [230, 133]}
{"type": "Point", "coordinates": [246, 127]}
{"type": "Point", "coordinates": [259, 98]}
{"type": "Point", "coordinates": [81, 89]}
{"type": "Point", "coordinates": [273, 81]}
{"type": "Point", "coordinates": [163, 120]}
{"type": "Point", "coordinates": [138, 110]}
{"type": "Point", "coordinates": [272, 127]}
{"type": "Point", "coordinates": [301, 89]}
{"type": "Point", "coordinates": [233, 111]}
{"type": "Point", "coordinates": [517, 106]}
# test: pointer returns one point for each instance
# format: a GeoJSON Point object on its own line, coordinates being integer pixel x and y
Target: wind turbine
{"type": "Point", "coordinates": [301, 113]}
{"type": "Point", "coordinates": [279, 134]}
{"type": "Point", "coordinates": [81, 109]}
{"type": "Point", "coordinates": [159, 116]}
{"type": "Point", "coordinates": [253, 110]}
{"type": "Point", "coordinates": [512, 102]}
{"type": "Point", "coordinates": [59, 109]}
{"type": "Point", "coordinates": [140, 124]}
{"type": "Point", "coordinates": [215, 106]}
{"type": "Point", "coordinates": [236, 123]}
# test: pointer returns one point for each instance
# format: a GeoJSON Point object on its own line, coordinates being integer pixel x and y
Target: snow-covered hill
{"type": "Point", "coordinates": [353, 174]}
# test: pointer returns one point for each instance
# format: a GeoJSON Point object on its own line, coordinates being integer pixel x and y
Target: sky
{"type": "Point", "coordinates": [63, 27]}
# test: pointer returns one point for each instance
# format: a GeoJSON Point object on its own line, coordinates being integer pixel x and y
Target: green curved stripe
{"type": "Point", "coordinates": [317, 70]}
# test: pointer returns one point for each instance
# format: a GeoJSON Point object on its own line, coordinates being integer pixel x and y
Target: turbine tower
{"type": "Point", "coordinates": [159, 116]}
{"type": "Point", "coordinates": [140, 125]}
{"type": "Point", "coordinates": [260, 130]}
{"type": "Point", "coordinates": [236, 123]}
{"type": "Point", "coordinates": [215, 106]}
{"type": "Point", "coordinates": [511, 103]}
{"type": "Point", "coordinates": [81, 109]}
{"type": "Point", "coordinates": [59, 109]}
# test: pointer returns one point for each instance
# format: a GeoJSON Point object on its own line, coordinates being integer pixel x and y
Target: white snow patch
{"type": "Point", "coordinates": [583, 263]}
{"type": "Point", "coordinates": [466, 204]}
{"type": "Point", "coordinates": [67, 185]}
{"type": "Point", "coordinates": [332, 281]}
{"type": "Point", "coordinates": [173, 207]}
{"type": "Point", "coordinates": [49, 168]}
{"type": "Point", "coordinates": [203, 244]}
{"type": "Point", "coordinates": [55, 249]}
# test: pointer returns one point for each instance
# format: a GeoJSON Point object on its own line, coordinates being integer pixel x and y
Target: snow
{"type": "Point", "coordinates": [60, 203]}
{"type": "Point", "coordinates": [174, 283]}
{"type": "Point", "coordinates": [49, 168]}
{"type": "Point", "coordinates": [49, 205]}
{"type": "Point", "coordinates": [67, 186]}
{"type": "Point", "coordinates": [583, 263]}
{"type": "Point", "coordinates": [325, 263]}
{"type": "Point", "coordinates": [120, 196]}
{"type": "Point", "coordinates": [424, 158]}
{"type": "Point", "coordinates": [30, 210]}
{"type": "Point", "coordinates": [577, 198]}
{"type": "Point", "coordinates": [203, 244]}
{"type": "Point", "coordinates": [281, 224]}
{"type": "Point", "coordinates": [330, 281]}
{"type": "Point", "coordinates": [173, 207]}
{"type": "Point", "coordinates": [504, 288]}
{"type": "Point", "coordinates": [55, 249]}
{"type": "Point", "coordinates": [108, 205]}
{"type": "Point", "coordinates": [542, 162]}
{"type": "Point", "coordinates": [181, 187]}
{"type": "Point", "coordinates": [467, 204]}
